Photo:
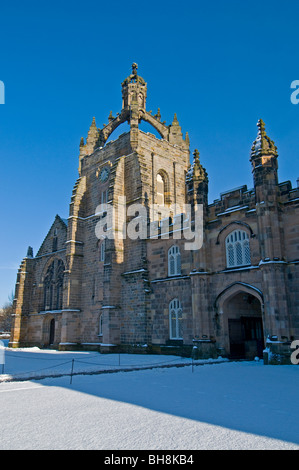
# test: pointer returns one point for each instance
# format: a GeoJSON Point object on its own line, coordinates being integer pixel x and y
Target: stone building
{"type": "Point", "coordinates": [144, 289]}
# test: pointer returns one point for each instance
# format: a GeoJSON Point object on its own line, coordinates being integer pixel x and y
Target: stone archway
{"type": "Point", "coordinates": [240, 307]}
{"type": "Point", "coordinates": [50, 331]}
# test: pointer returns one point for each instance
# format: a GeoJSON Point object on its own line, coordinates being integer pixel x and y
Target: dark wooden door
{"type": "Point", "coordinates": [246, 337]}
{"type": "Point", "coordinates": [236, 339]}
{"type": "Point", "coordinates": [253, 331]}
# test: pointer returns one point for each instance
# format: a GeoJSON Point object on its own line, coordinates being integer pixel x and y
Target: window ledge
{"type": "Point", "coordinates": [239, 268]}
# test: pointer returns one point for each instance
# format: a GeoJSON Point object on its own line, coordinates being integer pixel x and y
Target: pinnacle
{"type": "Point", "coordinates": [196, 155]}
{"type": "Point", "coordinates": [158, 115]}
{"type": "Point", "coordinates": [261, 127]}
{"type": "Point", "coordinates": [93, 135]}
{"type": "Point", "coordinates": [261, 124]}
{"type": "Point", "coordinates": [187, 140]}
{"type": "Point", "coordinates": [263, 144]}
{"type": "Point", "coordinates": [175, 120]}
{"type": "Point", "coordinates": [93, 124]}
{"type": "Point", "coordinates": [196, 171]}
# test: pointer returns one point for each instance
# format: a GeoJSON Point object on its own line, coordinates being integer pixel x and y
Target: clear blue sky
{"type": "Point", "coordinates": [220, 65]}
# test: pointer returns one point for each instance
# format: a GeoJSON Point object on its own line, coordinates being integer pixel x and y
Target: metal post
{"type": "Point", "coordinates": [73, 360]}
{"type": "Point", "coordinates": [2, 355]}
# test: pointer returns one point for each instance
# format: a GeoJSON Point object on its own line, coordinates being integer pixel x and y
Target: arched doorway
{"type": "Point", "coordinates": [242, 321]}
{"type": "Point", "coordinates": [245, 326]}
{"type": "Point", "coordinates": [52, 332]}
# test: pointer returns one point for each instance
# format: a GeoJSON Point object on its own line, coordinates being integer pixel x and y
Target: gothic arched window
{"type": "Point", "coordinates": [175, 320]}
{"type": "Point", "coordinates": [53, 286]}
{"type": "Point", "coordinates": [174, 261]}
{"type": "Point", "coordinates": [48, 287]}
{"type": "Point", "coordinates": [59, 284]}
{"type": "Point", "coordinates": [160, 190]}
{"type": "Point", "coordinates": [237, 249]}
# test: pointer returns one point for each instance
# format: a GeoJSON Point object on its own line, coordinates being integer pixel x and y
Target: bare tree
{"type": "Point", "coordinates": [6, 314]}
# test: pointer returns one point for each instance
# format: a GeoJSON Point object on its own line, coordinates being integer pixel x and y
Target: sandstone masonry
{"type": "Point", "coordinates": [234, 296]}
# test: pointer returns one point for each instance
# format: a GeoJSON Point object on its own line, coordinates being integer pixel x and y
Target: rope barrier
{"type": "Point", "coordinates": [188, 361]}
{"type": "Point", "coordinates": [33, 358]}
{"type": "Point", "coordinates": [7, 353]}
{"type": "Point", "coordinates": [128, 365]}
{"type": "Point", "coordinates": [39, 370]}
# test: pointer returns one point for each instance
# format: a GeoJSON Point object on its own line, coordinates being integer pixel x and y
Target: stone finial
{"type": "Point", "coordinates": [196, 171]}
{"type": "Point", "coordinates": [187, 140]}
{"type": "Point", "coordinates": [261, 126]}
{"type": "Point", "coordinates": [196, 156]}
{"type": "Point", "coordinates": [263, 145]}
{"type": "Point", "coordinates": [29, 252]}
{"type": "Point", "coordinates": [82, 142]}
{"type": "Point", "coordinates": [134, 68]}
{"type": "Point", "coordinates": [92, 137]}
{"type": "Point", "coordinates": [175, 132]}
{"type": "Point", "coordinates": [110, 118]}
{"type": "Point", "coordinates": [133, 77]}
{"type": "Point", "coordinates": [158, 115]}
{"type": "Point", "coordinates": [175, 121]}
{"type": "Point", "coordinates": [93, 124]}
{"type": "Point", "coordinates": [93, 128]}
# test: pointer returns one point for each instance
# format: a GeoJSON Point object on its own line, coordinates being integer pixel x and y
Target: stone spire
{"type": "Point", "coordinates": [197, 183]}
{"type": "Point", "coordinates": [263, 145]}
{"type": "Point", "coordinates": [187, 140]}
{"type": "Point", "coordinates": [263, 158]}
{"type": "Point", "coordinates": [196, 171]}
{"type": "Point", "coordinates": [93, 128]}
{"type": "Point", "coordinates": [175, 121]}
{"type": "Point", "coordinates": [175, 132]}
{"type": "Point", "coordinates": [92, 137]}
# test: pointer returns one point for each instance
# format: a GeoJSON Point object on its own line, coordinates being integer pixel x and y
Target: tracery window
{"type": "Point", "coordinates": [160, 190]}
{"type": "Point", "coordinates": [237, 249]}
{"type": "Point", "coordinates": [175, 320]}
{"type": "Point", "coordinates": [53, 286]}
{"type": "Point", "coordinates": [174, 261]}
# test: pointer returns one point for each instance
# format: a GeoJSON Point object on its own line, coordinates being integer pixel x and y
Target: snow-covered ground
{"type": "Point", "coordinates": [32, 363]}
{"type": "Point", "coordinates": [229, 405]}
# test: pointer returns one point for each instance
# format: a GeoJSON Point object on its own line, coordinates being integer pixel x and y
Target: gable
{"type": "Point", "coordinates": [55, 238]}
